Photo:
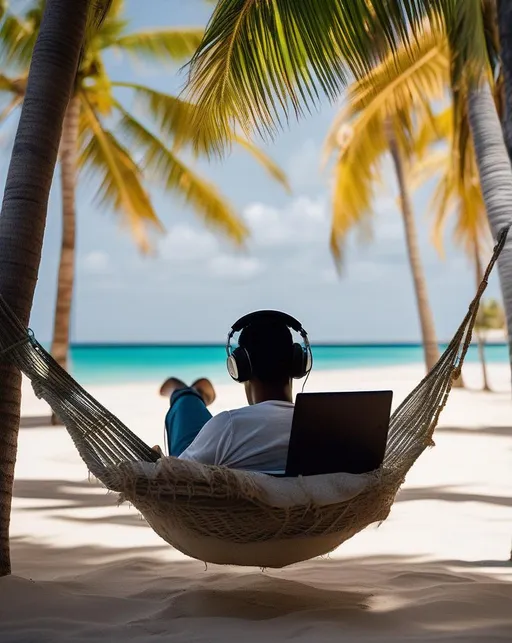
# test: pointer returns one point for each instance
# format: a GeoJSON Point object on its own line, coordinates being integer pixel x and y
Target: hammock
{"type": "Point", "coordinates": [226, 516]}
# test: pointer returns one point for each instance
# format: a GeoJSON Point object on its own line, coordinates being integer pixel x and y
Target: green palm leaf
{"type": "Point", "coordinates": [121, 181]}
{"type": "Point", "coordinates": [161, 164]}
{"type": "Point", "coordinates": [261, 61]}
{"type": "Point", "coordinates": [98, 12]}
{"type": "Point", "coordinates": [18, 37]}
{"type": "Point", "coordinates": [161, 44]}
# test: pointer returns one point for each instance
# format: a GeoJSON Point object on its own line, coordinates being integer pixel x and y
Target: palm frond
{"type": "Point", "coordinates": [161, 44]}
{"type": "Point", "coordinates": [172, 116]}
{"type": "Point", "coordinates": [16, 86]}
{"type": "Point", "coordinates": [406, 81]}
{"type": "Point", "coordinates": [458, 192]}
{"type": "Point", "coordinates": [261, 61]}
{"type": "Point", "coordinates": [121, 180]}
{"type": "Point", "coordinates": [264, 160]}
{"type": "Point", "coordinates": [9, 109]}
{"type": "Point", "coordinates": [355, 174]}
{"type": "Point", "coordinates": [434, 129]}
{"type": "Point", "coordinates": [18, 37]}
{"type": "Point", "coordinates": [467, 36]}
{"type": "Point", "coordinates": [98, 12]}
{"type": "Point", "coordinates": [170, 173]}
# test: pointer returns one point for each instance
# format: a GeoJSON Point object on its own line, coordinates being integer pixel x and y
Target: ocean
{"type": "Point", "coordinates": [102, 364]}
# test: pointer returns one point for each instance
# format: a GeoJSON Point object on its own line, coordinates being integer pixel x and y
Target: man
{"type": "Point", "coordinates": [254, 437]}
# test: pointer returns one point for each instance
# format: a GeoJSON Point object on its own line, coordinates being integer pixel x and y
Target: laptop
{"type": "Point", "coordinates": [338, 432]}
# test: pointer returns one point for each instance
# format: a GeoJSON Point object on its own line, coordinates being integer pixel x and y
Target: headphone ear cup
{"type": "Point", "coordinates": [309, 359]}
{"type": "Point", "coordinates": [239, 365]}
{"type": "Point", "coordinates": [299, 361]}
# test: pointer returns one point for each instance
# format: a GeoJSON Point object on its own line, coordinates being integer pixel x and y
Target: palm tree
{"type": "Point", "coordinates": [379, 117]}
{"type": "Point", "coordinates": [504, 20]}
{"type": "Point", "coordinates": [88, 144]}
{"type": "Point", "coordinates": [23, 214]}
{"type": "Point", "coordinates": [490, 317]}
{"type": "Point", "coordinates": [259, 61]}
{"type": "Point", "coordinates": [458, 192]}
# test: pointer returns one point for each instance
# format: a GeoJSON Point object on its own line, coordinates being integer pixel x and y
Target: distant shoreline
{"type": "Point", "coordinates": [494, 342]}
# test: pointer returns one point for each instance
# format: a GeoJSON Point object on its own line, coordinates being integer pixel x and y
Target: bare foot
{"type": "Point", "coordinates": [170, 385]}
{"type": "Point", "coordinates": [205, 389]}
{"type": "Point", "coordinates": [158, 450]}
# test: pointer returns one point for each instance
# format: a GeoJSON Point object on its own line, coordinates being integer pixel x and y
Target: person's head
{"type": "Point", "coordinates": [269, 357]}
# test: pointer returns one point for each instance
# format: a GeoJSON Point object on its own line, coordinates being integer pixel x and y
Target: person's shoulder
{"type": "Point", "coordinates": [263, 408]}
{"type": "Point", "coordinates": [220, 419]}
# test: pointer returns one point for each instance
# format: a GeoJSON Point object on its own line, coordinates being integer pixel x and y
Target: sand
{"type": "Point", "coordinates": [437, 569]}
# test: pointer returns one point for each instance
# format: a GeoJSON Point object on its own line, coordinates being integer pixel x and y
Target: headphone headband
{"type": "Point", "coordinates": [244, 321]}
{"type": "Point", "coordinates": [239, 360]}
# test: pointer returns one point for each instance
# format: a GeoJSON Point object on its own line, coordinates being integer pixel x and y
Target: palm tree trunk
{"type": "Point", "coordinates": [68, 148]}
{"type": "Point", "coordinates": [495, 174]}
{"type": "Point", "coordinates": [428, 334]}
{"type": "Point", "coordinates": [505, 31]}
{"type": "Point", "coordinates": [25, 202]}
{"type": "Point", "coordinates": [479, 275]}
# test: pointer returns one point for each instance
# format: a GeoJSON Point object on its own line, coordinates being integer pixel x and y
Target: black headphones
{"type": "Point", "coordinates": [239, 361]}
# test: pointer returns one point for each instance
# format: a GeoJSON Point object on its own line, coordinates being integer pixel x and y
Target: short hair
{"type": "Point", "coordinates": [269, 343]}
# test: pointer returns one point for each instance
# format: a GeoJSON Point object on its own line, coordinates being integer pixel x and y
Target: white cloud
{"type": "Point", "coordinates": [185, 244]}
{"type": "Point", "coordinates": [97, 262]}
{"type": "Point", "coordinates": [235, 268]}
{"type": "Point", "coordinates": [303, 221]}
{"type": "Point", "coordinates": [201, 252]}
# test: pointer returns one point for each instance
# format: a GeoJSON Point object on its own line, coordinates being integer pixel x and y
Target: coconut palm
{"type": "Point", "coordinates": [504, 22]}
{"type": "Point", "coordinates": [259, 62]}
{"type": "Point", "coordinates": [90, 145]}
{"type": "Point", "coordinates": [458, 192]}
{"type": "Point", "coordinates": [23, 214]}
{"type": "Point", "coordinates": [379, 118]}
{"type": "Point", "coordinates": [490, 317]}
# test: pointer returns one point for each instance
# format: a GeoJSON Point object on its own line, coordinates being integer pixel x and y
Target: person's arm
{"type": "Point", "coordinates": [212, 442]}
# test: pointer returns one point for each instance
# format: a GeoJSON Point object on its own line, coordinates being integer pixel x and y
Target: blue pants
{"type": "Point", "coordinates": [185, 418]}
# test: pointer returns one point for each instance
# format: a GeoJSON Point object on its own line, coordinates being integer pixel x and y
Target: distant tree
{"type": "Point", "coordinates": [491, 316]}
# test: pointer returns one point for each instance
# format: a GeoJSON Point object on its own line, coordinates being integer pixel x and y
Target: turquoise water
{"type": "Point", "coordinates": [110, 364]}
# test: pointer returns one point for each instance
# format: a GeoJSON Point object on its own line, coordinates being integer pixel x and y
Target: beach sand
{"type": "Point", "coordinates": [437, 569]}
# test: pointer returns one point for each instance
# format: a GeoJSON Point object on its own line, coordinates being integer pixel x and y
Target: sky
{"type": "Point", "coordinates": [196, 284]}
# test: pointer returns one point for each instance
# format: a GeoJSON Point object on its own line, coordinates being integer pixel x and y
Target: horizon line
{"type": "Point", "coordinates": [376, 344]}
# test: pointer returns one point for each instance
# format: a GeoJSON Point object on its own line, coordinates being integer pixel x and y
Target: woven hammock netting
{"type": "Point", "coordinates": [222, 515]}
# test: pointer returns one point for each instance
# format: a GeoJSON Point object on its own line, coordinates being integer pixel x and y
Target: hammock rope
{"type": "Point", "coordinates": [195, 507]}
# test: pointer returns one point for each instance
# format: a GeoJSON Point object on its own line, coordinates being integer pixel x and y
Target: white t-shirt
{"type": "Point", "coordinates": [254, 438]}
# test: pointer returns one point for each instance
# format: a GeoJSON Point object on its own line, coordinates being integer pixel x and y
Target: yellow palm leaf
{"type": "Point", "coordinates": [172, 116]}
{"type": "Point", "coordinates": [121, 180]}
{"type": "Point", "coordinates": [409, 80]}
{"type": "Point", "coordinates": [390, 99]}
{"type": "Point", "coordinates": [168, 171]}
{"type": "Point", "coordinates": [355, 174]}
{"type": "Point", "coordinates": [458, 192]}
